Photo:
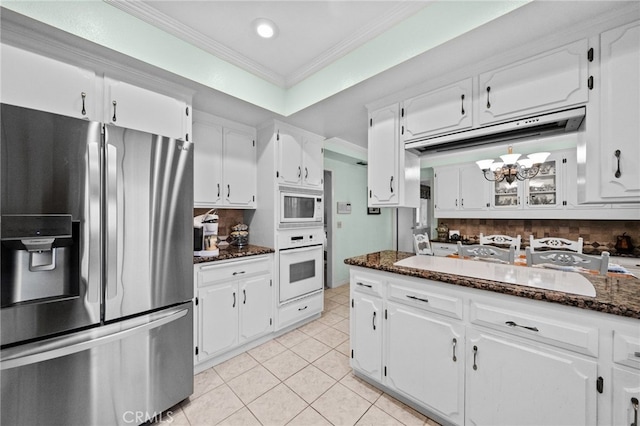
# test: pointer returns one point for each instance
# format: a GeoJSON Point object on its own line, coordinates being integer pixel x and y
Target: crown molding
{"type": "Point", "coordinates": [166, 23]}
{"type": "Point", "coordinates": [373, 29]}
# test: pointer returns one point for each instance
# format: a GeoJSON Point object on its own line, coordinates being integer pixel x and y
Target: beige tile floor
{"type": "Point", "coordinates": [300, 378]}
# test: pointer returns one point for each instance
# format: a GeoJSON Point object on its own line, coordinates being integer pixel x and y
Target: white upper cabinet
{"type": "Point", "coordinates": [620, 113]}
{"type": "Point", "coordinates": [460, 187]}
{"type": "Point", "coordinates": [136, 108]}
{"type": "Point", "coordinates": [393, 173]}
{"type": "Point", "coordinates": [439, 111]}
{"type": "Point", "coordinates": [300, 158]}
{"type": "Point", "coordinates": [37, 82]}
{"type": "Point", "coordinates": [224, 163]}
{"type": "Point", "coordinates": [551, 80]}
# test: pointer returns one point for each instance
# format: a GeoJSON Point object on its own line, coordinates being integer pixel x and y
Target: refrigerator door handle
{"type": "Point", "coordinates": [111, 223]}
{"type": "Point", "coordinates": [89, 339]}
{"type": "Point", "coordinates": [94, 207]}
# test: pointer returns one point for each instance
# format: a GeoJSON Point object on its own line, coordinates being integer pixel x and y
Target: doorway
{"type": "Point", "coordinates": [328, 229]}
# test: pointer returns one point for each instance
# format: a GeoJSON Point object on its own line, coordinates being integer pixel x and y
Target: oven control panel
{"type": "Point", "coordinates": [291, 238]}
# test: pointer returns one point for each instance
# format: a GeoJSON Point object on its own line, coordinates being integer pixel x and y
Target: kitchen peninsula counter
{"type": "Point", "coordinates": [234, 252]}
{"type": "Point", "coordinates": [617, 295]}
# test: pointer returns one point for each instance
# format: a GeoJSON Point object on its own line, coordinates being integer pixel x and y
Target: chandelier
{"type": "Point", "coordinates": [512, 167]}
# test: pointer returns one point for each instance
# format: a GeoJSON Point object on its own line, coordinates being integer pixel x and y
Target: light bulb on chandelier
{"type": "Point", "coordinates": [512, 166]}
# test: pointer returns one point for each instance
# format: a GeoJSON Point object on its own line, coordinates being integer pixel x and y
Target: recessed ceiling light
{"type": "Point", "coordinates": [265, 28]}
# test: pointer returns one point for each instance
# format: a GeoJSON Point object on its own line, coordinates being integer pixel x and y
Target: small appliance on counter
{"type": "Point", "coordinates": [205, 234]}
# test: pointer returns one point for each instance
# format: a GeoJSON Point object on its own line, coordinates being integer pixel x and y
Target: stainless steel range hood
{"type": "Point", "coordinates": [538, 126]}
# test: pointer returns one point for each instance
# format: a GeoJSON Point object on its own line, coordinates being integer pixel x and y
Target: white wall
{"type": "Point", "coordinates": [360, 232]}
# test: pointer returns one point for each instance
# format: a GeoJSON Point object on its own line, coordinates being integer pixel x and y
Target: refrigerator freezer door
{"type": "Point", "coordinates": [149, 217]}
{"type": "Point", "coordinates": [124, 373]}
{"type": "Point", "coordinates": [49, 166]}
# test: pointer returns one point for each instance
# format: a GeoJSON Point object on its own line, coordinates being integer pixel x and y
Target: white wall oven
{"type": "Point", "coordinates": [301, 262]}
{"type": "Point", "coordinates": [300, 207]}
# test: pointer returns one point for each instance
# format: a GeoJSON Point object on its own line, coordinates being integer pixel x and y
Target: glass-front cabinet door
{"type": "Point", "coordinates": [507, 195]}
{"type": "Point", "coordinates": [542, 190]}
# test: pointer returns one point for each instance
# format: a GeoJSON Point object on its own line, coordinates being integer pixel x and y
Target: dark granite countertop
{"type": "Point", "coordinates": [617, 295]}
{"type": "Point", "coordinates": [233, 252]}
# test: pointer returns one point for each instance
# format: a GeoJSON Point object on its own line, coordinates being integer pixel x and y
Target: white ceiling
{"type": "Point", "coordinates": [312, 34]}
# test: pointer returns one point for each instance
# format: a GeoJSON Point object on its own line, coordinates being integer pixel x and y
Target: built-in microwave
{"type": "Point", "coordinates": [302, 207]}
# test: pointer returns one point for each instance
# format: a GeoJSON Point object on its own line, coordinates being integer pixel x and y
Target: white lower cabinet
{"type": "Point", "coordinates": [366, 334]}
{"type": "Point", "coordinates": [509, 383]}
{"type": "Point", "coordinates": [234, 303]}
{"type": "Point", "coordinates": [425, 359]}
{"type": "Point", "coordinates": [473, 357]}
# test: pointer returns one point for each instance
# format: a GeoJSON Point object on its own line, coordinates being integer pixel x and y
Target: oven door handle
{"type": "Point", "coordinates": [301, 249]}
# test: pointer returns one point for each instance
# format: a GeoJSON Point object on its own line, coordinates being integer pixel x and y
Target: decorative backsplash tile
{"type": "Point", "coordinates": [226, 218]}
{"type": "Point", "coordinates": [598, 235]}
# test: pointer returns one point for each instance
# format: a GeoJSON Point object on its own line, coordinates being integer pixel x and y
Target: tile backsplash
{"type": "Point", "coordinates": [598, 235]}
{"type": "Point", "coordinates": [226, 218]}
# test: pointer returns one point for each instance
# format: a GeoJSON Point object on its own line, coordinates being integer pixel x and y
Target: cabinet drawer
{"type": "Point", "coordinates": [423, 298]}
{"type": "Point", "coordinates": [443, 249]}
{"type": "Point", "coordinates": [300, 309]}
{"type": "Point", "coordinates": [235, 269]}
{"type": "Point", "coordinates": [366, 283]}
{"type": "Point", "coordinates": [626, 349]}
{"type": "Point", "coordinates": [549, 330]}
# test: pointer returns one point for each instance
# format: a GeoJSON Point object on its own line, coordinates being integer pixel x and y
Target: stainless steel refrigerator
{"type": "Point", "coordinates": [96, 273]}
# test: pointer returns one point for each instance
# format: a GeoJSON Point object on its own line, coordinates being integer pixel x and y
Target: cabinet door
{"type": "Point", "coordinates": [140, 109]}
{"type": "Point", "coordinates": [425, 359]}
{"type": "Point", "coordinates": [626, 387]}
{"type": "Point", "coordinates": [239, 168]}
{"type": "Point", "coordinates": [256, 303]}
{"type": "Point", "coordinates": [543, 190]}
{"type": "Point", "coordinates": [548, 81]}
{"type": "Point", "coordinates": [383, 157]}
{"type": "Point", "coordinates": [446, 188]}
{"type": "Point", "coordinates": [366, 335]}
{"type": "Point", "coordinates": [439, 111]}
{"type": "Point", "coordinates": [37, 82]}
{"type": "Point", "coordinates": [620, 109]}
{"type": "Point", "coordinates": [511, 383]}
{"type": "Point", "coordinates": [207, 164]}
{"type": "Point", "coordinates": [507, 195]}
{"type": "Point", "coordinates": [473, 188]}
{"type": "Point", "coordinates": [289, 146]}
{"type": "Point", "coordinates": [218, 305]}
{"type": "Point", "coordinates": [313, 163]}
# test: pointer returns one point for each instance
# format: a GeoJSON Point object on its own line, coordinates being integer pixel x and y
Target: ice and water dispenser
{"type": "Point", "coordinates": [40, 258]}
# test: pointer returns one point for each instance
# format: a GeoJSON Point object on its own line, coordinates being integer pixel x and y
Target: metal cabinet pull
{"type": "Point", "coordinates": [239, 273]}
{"type": "Point", "coordinates": [234, 299]}
{"type": "Point", "coordinates": [299, 172]}
{"type": "Point", "coordinates": [634, 403]}
{"type": "Point", "coordinates": [617, 154]}
{"type": "Point", "coordinates": [513, 324]}
{"type": "Point", "coordinates": [462, 104]}
{"type": "Point", "coordinates": [244, 293]}
{"type": "Point", "coordinates": [391, 184]}
{"type": "Point", "coordinates": [114, 111]}
{"type": "Point", "coordinates": [84, 95]}
{"type": "Point", "coordinates": [228, 190]}
{"type": "Point", "coordinates": [374, 321]}
{"type": "Point", "coordinates": [302, 309]}
{"type": "Point", "coordinates": [364, 285]}
{"type": "Point", "coordinates": [306, 173]}
{"type": "Point", "coordinates": [218, 190]}
{"type": "Point", "coordinates": [475, 352]}
{"type": "Point", "coordinates": [488, 101]}
{"type": "Point", "coordinates": [417, 298]}
{"type": "Point", "coordinates": [455, 343]}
